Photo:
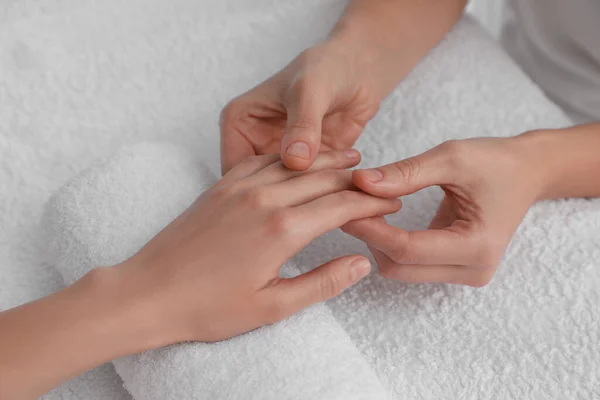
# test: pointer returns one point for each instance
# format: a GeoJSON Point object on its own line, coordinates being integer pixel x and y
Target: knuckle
{"type": "Point", "coordinates": [348, 196]}
{"type": "Point", "coordinates": [228, 112]}
{"type": "Point", "coordinates": [303, 122]}
{"type": "Point", "coordinates": [281, 222]}
{"type": "Point", "coordinates": [334, 176]}
{"type": "Point", "coordinates": [330, 286]}
{"type": "Point", "coordinates": [387, 271]}
{"type": "Point", "coordinates": [223, 193]}
{"type": "Point", "coordinates": [249, 162]}
{"type": "Point", "coordinates": [408, 169]}
{"type": "Point", "coordinates": [256, 197]}
{"type": "Point", "coordinates": [456, 152]}
{"type": "Point", "coordinates": [400, 250]}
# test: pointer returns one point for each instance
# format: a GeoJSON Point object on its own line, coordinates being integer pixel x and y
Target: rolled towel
{"type": "Point", "coordinates": [110, 211]}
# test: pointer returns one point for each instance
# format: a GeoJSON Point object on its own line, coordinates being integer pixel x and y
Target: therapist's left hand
{"type": "Point", "coordinates": [489, 185]}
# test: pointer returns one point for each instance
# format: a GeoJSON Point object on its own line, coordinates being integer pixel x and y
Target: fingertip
{"type": "Point", "coordinates": [360, 267]}
{"type": "Point", "coordinates": [354, 157]}
{"type": "Point", "coordinates": [361, 181]}
{"type": "Point", "coordinates": [298, 155]}
{"type": "Point", "coordinates": [294, 163]}
{"type": "Point", "coordinates": [373, 182]}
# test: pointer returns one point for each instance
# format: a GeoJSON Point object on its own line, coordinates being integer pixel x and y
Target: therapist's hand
{"type": "Point", "coordinates": [489, 185]}
{"type": "Point", "coordinates": [321, 101]}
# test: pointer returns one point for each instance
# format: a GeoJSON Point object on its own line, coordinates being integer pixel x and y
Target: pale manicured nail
{"type": "Point", "coordinates": [352, 154]}
{"type": "Point", "coordinates": [372, 175]}
{"type": "Point", "coordinates": [359, 269]}
{"type": "Point", "coordinates": [299, 149]}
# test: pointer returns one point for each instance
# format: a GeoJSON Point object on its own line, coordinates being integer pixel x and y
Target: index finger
{"type": "Point", "coordinates": [422, 247]}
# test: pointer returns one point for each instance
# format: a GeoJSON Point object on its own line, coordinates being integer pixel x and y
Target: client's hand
{"type": "Point", "coordinates": [213, 273]}
{"type": "Point", "coordinates": [489, 185]}
{"type": "Point", "coordinates": [320, 101]}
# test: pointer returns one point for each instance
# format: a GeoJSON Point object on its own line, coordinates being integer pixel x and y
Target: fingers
{"type": "Point", "coordinates": [308, 187]}
{"type": "Point", "coordinates": [320, 284]}
{"type": "Point", "coordinates": [277, 172]}
{"type": "Point", "coordinates": [306, 105]}
{"type": "Point", "coordinates": [426, 247]}
{"type": "Point", "coordinates": [249, 166]}
{"type": "Point", "coordinates": [433, 167]}
{"type": "Point", "coordinates": [453, 274]}
{"type": "Point", "coordinates": [332, 211]}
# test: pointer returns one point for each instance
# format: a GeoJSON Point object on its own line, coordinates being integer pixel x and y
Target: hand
{"type": "Point", "coordinates": [214, 272]}
{"type": "Point", "coordinates": [489, 185]}
{"type": "Point", "coordinates": [321, 101]}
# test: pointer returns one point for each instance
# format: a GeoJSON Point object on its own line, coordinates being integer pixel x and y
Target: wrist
{"type": "Point", "coordinates": [378, 54]}
{"type": "Point", "coordinates": [567, 160]}
{"type": "Point", "coordinates": [50, 340]}
{"type": "Point", "coordinates": [123, 313]}
{"type": "Point", "coordinates": [359, 62]}
{"type": "Point", "coordinates": [556, 159]}
{"type": "Point", "coordinates": [534, 148]}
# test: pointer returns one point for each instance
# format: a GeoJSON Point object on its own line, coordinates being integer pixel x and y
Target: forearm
{"type": "Point", "coordinates": [566, 161]}
{"type": "Point", "coordinates": [48, 341]}
{"type": "Point", "coordinates": [394, 35]}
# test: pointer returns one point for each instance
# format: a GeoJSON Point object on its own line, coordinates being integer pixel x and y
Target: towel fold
{"type": "Point", "coordinates": [107, 213]}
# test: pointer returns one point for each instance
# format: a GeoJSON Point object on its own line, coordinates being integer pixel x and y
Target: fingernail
{"type": "Point", "coordinates": [299, 149]}
{"type": "Point", "coordinates": [352, 154]}
{"type": "Point", "coordinates": [372, 175]}
{"type": "Point", "coordinates": [359, 269]}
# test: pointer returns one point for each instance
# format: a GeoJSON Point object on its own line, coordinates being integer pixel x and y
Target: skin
{"type": "Point", "coordinates": [324, 98]}
{"type": "Point", "coordinates": [489, 185]}
{"type": "Point", "coordinates": [321, 101]}
{"type": "Point", "coordinates": [213, 273]}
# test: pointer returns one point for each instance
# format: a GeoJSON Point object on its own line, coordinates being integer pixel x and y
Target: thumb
{"type": "Point", "coordinates": [320, 284]}
{"type": "Point", "coordinates": [434, 167]}
{"type": "Point", "coordinates": [306, 104]}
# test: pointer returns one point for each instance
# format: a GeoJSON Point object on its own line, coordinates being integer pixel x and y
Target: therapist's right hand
{"type": "Point", "coordinates": [321, 101]}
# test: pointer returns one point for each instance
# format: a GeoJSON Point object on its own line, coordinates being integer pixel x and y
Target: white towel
{"type": "Point", "coordinates": [110, 211]}
{"type": "Point", "coordinates": [81, 78]}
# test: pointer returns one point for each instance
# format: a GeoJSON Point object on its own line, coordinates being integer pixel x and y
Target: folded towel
{"type": "Point", "coordinates": [107, 213]}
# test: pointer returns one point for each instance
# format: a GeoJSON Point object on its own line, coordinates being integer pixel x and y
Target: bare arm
{"type": "Point", "coordinates": [394, 35]}
{"type": "Point", "coordinates": [171, 292]}
{"type": "Point", "coordinates": [567, 160]}
{"type": "Point", "coordinates": [324, 98]}
{"type": "Point", "coordinates": [50, 340]}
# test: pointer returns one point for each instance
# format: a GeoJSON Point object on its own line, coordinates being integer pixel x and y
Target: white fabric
{"type": "Point", "coordinates": [81, 78]}
{"type": "Point", "coordinates": [109, 212]}
{"type": "Point", "coordinates": [557, 43]}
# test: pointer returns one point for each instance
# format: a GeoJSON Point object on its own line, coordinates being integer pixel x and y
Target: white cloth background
{"type": "Point", "coordinates": [81, 78]}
